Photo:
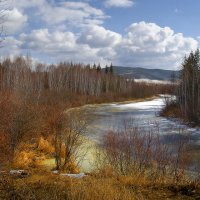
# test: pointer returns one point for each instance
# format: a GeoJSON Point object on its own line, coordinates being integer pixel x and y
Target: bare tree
{"type": "Point", "coordinates": [69, 137]}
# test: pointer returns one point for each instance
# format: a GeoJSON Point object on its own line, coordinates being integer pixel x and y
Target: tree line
{"type": "Point", "coordinates": [186, 106]}
{"type": "Point", "coordinates": [18, 75]}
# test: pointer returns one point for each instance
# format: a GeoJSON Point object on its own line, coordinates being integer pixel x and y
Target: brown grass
{"type": "Point", "coordinates": [93, 187]}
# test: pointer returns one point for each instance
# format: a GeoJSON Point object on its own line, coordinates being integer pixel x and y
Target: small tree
{"type": "Point", "coordinates": [69, 138]}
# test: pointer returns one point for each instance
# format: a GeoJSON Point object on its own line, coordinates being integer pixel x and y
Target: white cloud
{"type": "Point", "coordinates": [10, 47]}
{"type": "Point", "coordinates": [99, 37]}
{"type": "Point", "coordinates": [75, 13]}
{"type": "Point", "coordinates": [62, 46]}
{"type": "Point", "coordinates": [14, 21]}
{"type": "Point", "coordinates": [68, 12]}
{"type": "Point", "coordinates": [23, 4]}
{"type": "Point", "coordinates": [149, 45]}
{"type": "Point", "coordinates": [42, 40]}
{"type": "Point", "coordinates": [119, 3]}
{"type": "Point", "coordinates": [144, 44]}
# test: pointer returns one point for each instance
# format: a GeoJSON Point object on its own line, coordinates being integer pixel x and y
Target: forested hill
{"type": "Point", "coordinates": [143, 73]}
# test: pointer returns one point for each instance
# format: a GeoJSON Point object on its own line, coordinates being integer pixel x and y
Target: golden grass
{"type": "Point", "coordinates": [45, 146]}
{"type": "Point", "coordinates": [32, 155]}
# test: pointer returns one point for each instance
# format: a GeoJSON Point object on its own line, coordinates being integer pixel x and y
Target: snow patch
{"type": "Point", "coordinates": [81, 175]}
{"type": "Point", "coordinates": [152, 81]}
{"type": "Point", "coordinates": [16, 172]}
{"type": "Point", "coordinates": [55, 172]}
{"type": "Point", "coordinates": [191, 129]}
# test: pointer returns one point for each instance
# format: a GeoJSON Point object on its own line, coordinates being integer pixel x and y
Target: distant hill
{"type": "Point", "coordinates": [143, 73]}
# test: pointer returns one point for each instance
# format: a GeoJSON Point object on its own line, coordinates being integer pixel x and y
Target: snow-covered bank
{"type": "Point", "coordinates": [156, 103]}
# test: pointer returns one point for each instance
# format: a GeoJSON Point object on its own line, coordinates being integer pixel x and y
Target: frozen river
{"type": "Point", "coordinates": [143, 114]}
{"type": "Point", "coordinates": [106, 117]}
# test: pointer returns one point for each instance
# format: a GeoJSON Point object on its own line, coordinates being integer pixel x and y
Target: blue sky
{"type": "Point", "coordinates": [181, 15]}
{"type": "Point", "coordinates": [135, 33]}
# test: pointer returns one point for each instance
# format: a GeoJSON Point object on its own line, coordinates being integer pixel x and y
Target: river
{"type": "Point", "coordinates": [145, 114]}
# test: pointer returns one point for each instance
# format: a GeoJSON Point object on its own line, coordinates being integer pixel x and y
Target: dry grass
{"type": "Point", "coordinates": [39, 156]}
{"type": "Point", "coordinates": [45, 146]}
{"type": "Point", "coordinates": [24, 159]}
{"type": "Point", "coordinates": [43, 186]}
{"type": "Point", "coordinates": [171, 110]}
{"type": "Point", "coordinates": [31, 155]}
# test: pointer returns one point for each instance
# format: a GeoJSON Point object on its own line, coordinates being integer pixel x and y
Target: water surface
{"type": "Point", "coordinates": [106, 117]}
{"type": "Point", "coordinates": [143, 114]}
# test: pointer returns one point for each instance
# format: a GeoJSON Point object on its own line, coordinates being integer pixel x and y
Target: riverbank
{"type": "Point", "coordinates": [100, 186]}
{"type": "Point", "coordinates": [172, 111]}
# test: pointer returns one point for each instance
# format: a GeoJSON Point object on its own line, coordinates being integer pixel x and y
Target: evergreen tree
{"type": "Point", "coordinates": [106, 69]}
{"type": "Point", "coordinates": [111, 69]}
{"type": "Point", "coordinates": [189, 89]}
{"type": "Point", "coordinates": [99, 68]}
{"type": "Point", "coordinates": [94, 67]}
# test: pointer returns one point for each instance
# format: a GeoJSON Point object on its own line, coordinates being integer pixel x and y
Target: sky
{"type": "Point", "coordinates": [132, 33]}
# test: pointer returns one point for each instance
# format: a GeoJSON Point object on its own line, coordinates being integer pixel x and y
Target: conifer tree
{"type": "Point", "coordinates": [111, 69]}
{"type": "Point", "coordinates": [99, 68]}
{"type": "Point", "coordinates": [106, 69]}
{"type": "Point", "coordinates": [189, 89]}
{"type": "Point", "coordinates": [94, 66]}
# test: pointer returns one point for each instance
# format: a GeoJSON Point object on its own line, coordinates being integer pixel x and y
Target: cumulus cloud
{"type": "Point", "coordinates": [149, 45]}
{"type": "Point", "coordinates": [14, 21]}
{"type": "Point", "coordinates": [62, 46]}
{"type": "Point", "coordinates": [99, 37]}
{"type": "Point", "coordinates": [144, 45]}
{"type": "Point", "coordinates": [68, 46]}
{"type": "Point", "coordinates": [119, 3]}
{"type": "Point", "coordinates": [43, 40]}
